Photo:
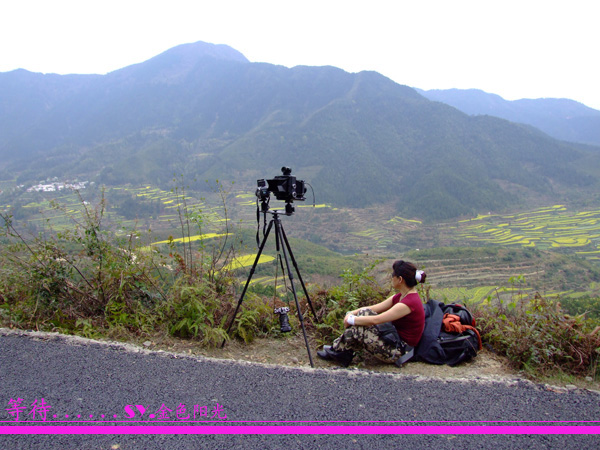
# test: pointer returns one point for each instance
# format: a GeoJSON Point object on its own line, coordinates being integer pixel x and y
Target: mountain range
{"type": "Point", "coordinates": [204, 111]}
{"type": "Point", "coordinates": [560, 118]}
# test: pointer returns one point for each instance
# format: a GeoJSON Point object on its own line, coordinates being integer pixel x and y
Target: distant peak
{"type": "Point", "coordinates": [201, 49]}
{"type": "Point", "coordinates": [177, 62]}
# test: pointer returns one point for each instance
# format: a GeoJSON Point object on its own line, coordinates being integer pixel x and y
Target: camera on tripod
{"type": "Point", "coordinates": [285, 187]}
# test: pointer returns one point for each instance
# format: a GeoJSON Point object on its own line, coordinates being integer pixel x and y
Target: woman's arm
{"type": "Point", "coordinates": [394, 313]}
{"type": "Point", "coordinates": [378, 308]}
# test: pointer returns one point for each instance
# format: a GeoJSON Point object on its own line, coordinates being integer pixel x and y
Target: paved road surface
{"type": "Point", "coordinates": [77, 377]}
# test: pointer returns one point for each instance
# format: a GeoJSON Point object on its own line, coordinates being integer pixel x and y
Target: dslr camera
{"type": "Point", "coordinates": [284, 322]}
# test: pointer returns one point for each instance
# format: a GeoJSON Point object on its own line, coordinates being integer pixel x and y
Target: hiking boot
{"type": "Point", "coordinates": [344, 358]}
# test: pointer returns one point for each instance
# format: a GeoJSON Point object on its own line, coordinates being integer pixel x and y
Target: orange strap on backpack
{"type": "Point", "coordinates": [451, 323]}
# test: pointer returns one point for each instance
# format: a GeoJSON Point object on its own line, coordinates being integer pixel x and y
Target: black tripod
{"type": "Point", "coordinates": [279, 238]}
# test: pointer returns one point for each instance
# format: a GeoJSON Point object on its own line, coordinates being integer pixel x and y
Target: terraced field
{"type": "Point", "coordinates": [377, 231]}
{"type": "Point", "coordinates": [175, 202]}
{"type": "Point", "coordinates": [546, 228]}
{"type": "Point", "coordinates": [501, 272]}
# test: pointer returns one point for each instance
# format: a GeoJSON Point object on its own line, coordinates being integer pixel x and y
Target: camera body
{"type": "Point", "coordinates": [285, 187]}
{"type": "Point", "coordinates": [284, 322]}
{"type": "Point", "coordinates": [262, 191]}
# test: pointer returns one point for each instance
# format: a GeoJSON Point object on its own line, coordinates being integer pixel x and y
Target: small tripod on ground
{"type": "Point", "coordinates": [280, 238]}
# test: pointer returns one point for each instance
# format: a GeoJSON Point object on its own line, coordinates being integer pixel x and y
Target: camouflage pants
{"type": "Point", "coordinates": [366, 338]}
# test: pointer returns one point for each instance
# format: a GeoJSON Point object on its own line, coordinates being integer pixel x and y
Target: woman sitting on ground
{"type": "Point", "coordinates": [404, 310]}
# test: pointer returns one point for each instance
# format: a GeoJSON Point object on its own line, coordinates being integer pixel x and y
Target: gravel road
{"type": "Point", "coordinates": [78, 378]}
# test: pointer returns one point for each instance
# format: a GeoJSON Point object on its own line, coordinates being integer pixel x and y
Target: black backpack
{"type": "Point", "coordinates": [440, 347]}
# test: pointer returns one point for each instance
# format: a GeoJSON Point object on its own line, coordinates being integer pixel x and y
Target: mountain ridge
{"type": "Point", "coordinates": [560, 118]}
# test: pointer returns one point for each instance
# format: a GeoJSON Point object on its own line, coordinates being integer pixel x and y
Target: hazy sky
{"type": "Point", "coordinates": [513, 48]}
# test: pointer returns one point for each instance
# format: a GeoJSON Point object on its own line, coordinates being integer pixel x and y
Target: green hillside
{"type": "Point", "coordinates": [205, 112]}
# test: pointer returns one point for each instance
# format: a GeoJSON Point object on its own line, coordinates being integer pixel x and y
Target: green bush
{"type": "Point", "coordinates": [256, 319]}
{"type": "Point", "coordinates": [587, 305]}
{"type": "Point", "coordinates": [81, 273]}
{"type": "Point", "coordinates": [358, 289]}
{"type": "Point", "coordinates": [539, 338]}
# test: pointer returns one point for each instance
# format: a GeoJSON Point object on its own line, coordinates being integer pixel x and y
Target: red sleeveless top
{"type": "Point", "coordinates": [410, 327]}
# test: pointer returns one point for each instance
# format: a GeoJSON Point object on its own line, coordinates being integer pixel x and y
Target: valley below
{"type": "Point", "coordinates": [554, 250]}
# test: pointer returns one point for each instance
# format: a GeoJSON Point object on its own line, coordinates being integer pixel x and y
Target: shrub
{"type": "Point", "coordinates": [74, 275]}
{"type": "Point", "coordinates": [192, 311]}
{"type": "Point", "coordinates": [358, 289]}
{"type": "Point", "coordinates": [537, 337]}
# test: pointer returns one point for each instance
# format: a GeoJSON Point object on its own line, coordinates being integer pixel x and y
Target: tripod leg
{"type": "Point", "coordinates": [298, 272]}
{"type": "Point", "coordinates": [260, 250]}
{"type": "Point", "coordinates": [279, 231]}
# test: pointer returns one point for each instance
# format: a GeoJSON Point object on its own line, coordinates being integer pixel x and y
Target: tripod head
{"type": "Point", "coordinates": [289, 210]}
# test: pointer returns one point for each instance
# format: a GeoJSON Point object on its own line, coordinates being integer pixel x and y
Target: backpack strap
{"type": "Point", "coordinates": [408, 354]}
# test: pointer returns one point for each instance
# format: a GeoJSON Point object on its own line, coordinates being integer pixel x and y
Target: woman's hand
{"type": "Point", "coordinates": [346, 318]}
{"type": "Point", "coordinates": [348, 314]}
